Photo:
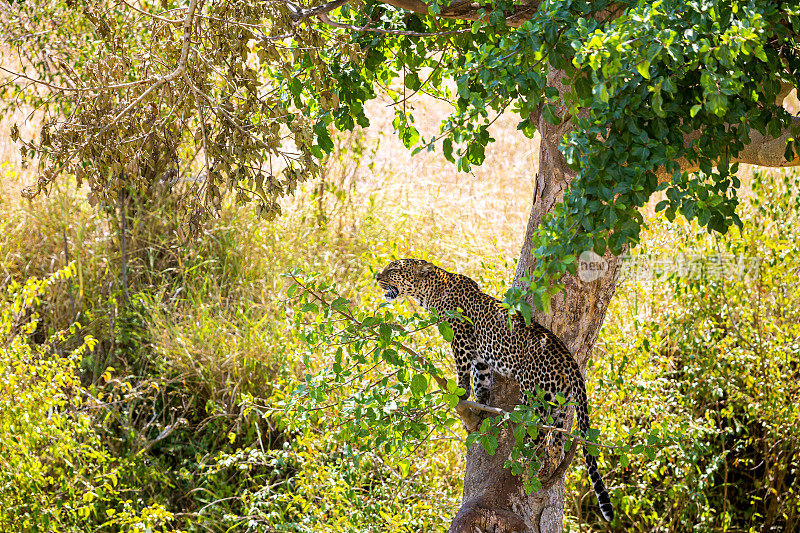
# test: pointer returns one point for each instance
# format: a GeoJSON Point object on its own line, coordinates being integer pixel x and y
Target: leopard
{"type": "Point", "coordinates": [487, 338]}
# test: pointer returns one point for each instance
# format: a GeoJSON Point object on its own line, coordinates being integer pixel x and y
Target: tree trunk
{"type": "Point", "coordinates": [494, 499]}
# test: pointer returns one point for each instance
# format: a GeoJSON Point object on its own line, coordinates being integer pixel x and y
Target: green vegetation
{"type": "Point", "coordinates": [173, 401]}
{"type": "Point", "coordinates": [167, 410]}
{"type": "Point", "coordinates": [710, 356]}
{"type": "Point", "coordinates": [161, 372]}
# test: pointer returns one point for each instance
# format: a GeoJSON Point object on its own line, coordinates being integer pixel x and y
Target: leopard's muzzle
{"type": "Point", "coordinates": [391, 292]}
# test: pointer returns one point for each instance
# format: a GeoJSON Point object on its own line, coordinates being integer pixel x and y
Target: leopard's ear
{"type": "Point", "coordinates": [426, 268]}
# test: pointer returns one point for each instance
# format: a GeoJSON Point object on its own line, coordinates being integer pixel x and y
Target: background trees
{"type": "Point", "coordinates": [245, 96]}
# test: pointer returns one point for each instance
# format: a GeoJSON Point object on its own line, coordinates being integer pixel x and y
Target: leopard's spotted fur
{"type": "Point", "coordinates": [532, 355]}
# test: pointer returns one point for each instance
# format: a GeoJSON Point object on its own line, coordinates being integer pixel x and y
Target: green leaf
{"type": "Point", "coordinates": [526, 310]}
{"type": "Point", "coordinates": [657, 103]}
{"type": "Point", "coordinates": [489, 443]}
{"type": "Point", "coordinates": [446, 331]}
{"type": "Point", "coordinates": [532, 485]}
{"type": "Point", "coordinates": [447, 149]}
{"type": "Point", "coordinates": [549, 114]}
{"type": "Point", "coordinates": [451, 400]}
{"type": "Point", "coordinates": [404, 465]}
{"type": "Point", "coordinates": [472, 438]}
{"type": "Point", "coordinates": [385, 333]}
{"type": "Point", "coordinates": [292, 290]}
{"type": "Point", "coordinates": [599, 246]}
{"type": "Point", "coordinates": [309, 308]}
{"type": "Point", "coordinates": [340, 304]}
{"type": "Point", "coordinates": [546, 297]}
{"type": "Point", "coordinates": [412, 81]}
{"type": "Point", "coordinates": [391, 356]}
{"type": "Point", "coordinates": [451, 386]}
{"type": "Point", "coordinates": [419, 384]}
{"type": "Point", "coordinates": [788, 154]}
{"type": "Point", "coordinates": [583, 87]}
{"type": "Point", "coordinates": [644, 69]}
{"type": "Point", "coordinates": [718, 104]}
{"type": "Point", "coordinates": [519, 433]}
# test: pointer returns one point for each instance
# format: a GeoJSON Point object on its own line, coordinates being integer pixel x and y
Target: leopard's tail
{"type": "Point", "coordinates": [582, 410]}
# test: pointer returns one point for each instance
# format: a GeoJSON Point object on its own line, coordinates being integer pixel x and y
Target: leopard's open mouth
{"type": "Point", "coordinates": [391, 292]}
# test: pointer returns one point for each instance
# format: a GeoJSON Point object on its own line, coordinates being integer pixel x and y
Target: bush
{"type": "Point", "coordinates": [57, 473]}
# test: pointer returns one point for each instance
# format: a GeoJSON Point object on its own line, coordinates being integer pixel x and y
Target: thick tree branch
{"type": "Point", "coordinates": [763, 150]}
{"type": "Point", "coordinates": [468, 10]}
{"type": "Point", "coordinates": [459, 9]}
{"type": "Point", "coordinates": [299, 13]}
{"type": "Point", "coordinates": [327, 20]}
{"type": "Point", "coordinates": [769, 151]}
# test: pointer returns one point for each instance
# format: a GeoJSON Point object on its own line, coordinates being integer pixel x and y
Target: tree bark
{"type": "Point", "coordinates": [494, 499]}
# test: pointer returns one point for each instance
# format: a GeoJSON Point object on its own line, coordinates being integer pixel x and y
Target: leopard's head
{"type": "Point", "coordinates": [408, 277]}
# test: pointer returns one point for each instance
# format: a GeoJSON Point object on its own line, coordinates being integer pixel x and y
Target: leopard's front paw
{"type": "Point", "coordinates": [471, 419]}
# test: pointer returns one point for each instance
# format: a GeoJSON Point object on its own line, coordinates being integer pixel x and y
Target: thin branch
{"type": "Point", "coordinates": [75, 89]}
{"type": "Point", "coordinates": [300, 13]}
{"type": "Point", "coordinates": [467, 10]}
{"type": "Point", "coordinates": [324, 18]}
{"type": "Point", "coordinates": [175, 22]}
{"type": "Point", "coordinates": [163, 435]}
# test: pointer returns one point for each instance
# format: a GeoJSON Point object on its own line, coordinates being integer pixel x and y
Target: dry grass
{"type": "Point", "coordinates": [485, 211]}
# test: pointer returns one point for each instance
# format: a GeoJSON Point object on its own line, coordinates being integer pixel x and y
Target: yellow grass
{"type": "Point", "coordinates": [486, 210]}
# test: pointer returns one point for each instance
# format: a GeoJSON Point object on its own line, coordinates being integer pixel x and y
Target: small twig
{"type": "Point", "coordinates": [175, 22]}
{"type": "Point", "coordinates": [166, 432]}
{"type": "Point", "coordinates": [429, 78]}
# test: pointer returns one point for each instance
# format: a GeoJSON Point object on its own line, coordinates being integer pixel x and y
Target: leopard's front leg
{"type": "Point", "coordinates": [481, 380]}
{"type": "Point", "coordinates": [463, 353]}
